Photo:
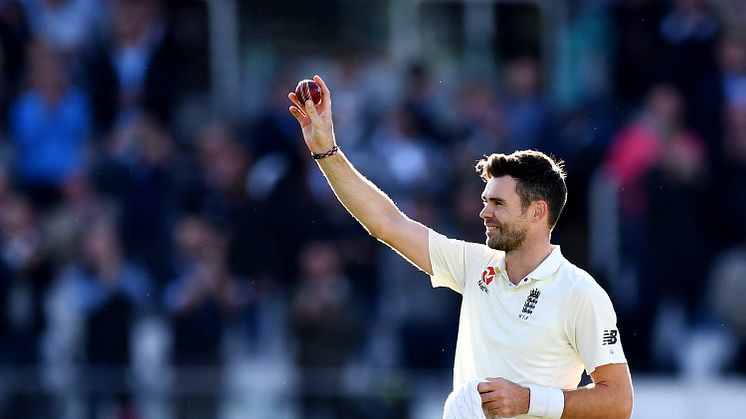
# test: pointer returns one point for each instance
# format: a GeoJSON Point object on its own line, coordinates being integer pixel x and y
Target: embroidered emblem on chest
{"type": "Point", "coordinates": [530, 304]}
{"type": "Point", "coordinates": [487, 276]}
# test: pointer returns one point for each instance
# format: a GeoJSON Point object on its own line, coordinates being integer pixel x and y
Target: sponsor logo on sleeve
{"type": "Point", "coordinates": [610, 337]}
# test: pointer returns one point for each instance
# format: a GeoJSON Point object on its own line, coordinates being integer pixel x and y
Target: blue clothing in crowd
{"type": "Point", "coordinates": [49, 141]}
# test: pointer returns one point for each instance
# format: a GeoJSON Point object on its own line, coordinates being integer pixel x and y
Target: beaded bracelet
{"type": "Point", "coordinates": [332, 151]}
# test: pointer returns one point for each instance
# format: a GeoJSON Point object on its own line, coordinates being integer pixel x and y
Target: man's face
{"type": "Point", "coordinates": [504, 219]}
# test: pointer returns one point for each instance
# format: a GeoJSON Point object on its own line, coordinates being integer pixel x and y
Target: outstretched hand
{"type": "Point", "coordinates": [504, 398]}
{"type": "Point", "coordinates": [315, 120]}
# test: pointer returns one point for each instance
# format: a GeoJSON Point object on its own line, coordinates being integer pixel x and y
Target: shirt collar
{"type": "Point", "coordinates": [546, 268]}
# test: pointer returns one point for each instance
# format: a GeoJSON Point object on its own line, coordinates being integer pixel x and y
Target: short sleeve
{"type": "Point", "coordinates": [594, 333]}
{"type": "Point", "coordinates": [451, 259]}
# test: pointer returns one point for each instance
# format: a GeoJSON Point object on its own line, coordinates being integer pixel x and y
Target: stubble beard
{"type": "Point", "coordinates": [508, 238]}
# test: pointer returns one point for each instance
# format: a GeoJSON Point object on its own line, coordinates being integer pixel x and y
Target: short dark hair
{"type": "Point", "coordinates": [539, 177]}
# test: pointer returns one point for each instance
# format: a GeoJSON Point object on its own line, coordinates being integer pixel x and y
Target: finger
{"type": "Point", "coordinates": [487, 397]}
{"type": "Point", "coordinates": [483, 387]}
{"type": "Point", "coordinates": [299, 107]}
{"type": "Point", "coordinates": [297, 113]}
{"type": "Point", "coordinates": [295, 100]}
{"type": "Point", "coordinates": [325, 95]}
{"type": "Point", "coordinates": [493, 407]}
{"type": "Point", "coordinates": [311, 112]}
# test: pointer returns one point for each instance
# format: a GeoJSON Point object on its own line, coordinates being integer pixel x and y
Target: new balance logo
{"type": "Point", "coordinates": [530, 304]}
{"type": "Point", "coordinates": [610, 337]}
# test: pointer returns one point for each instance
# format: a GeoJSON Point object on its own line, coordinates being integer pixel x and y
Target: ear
{"type": "Point", "coordinates": [540, 211]}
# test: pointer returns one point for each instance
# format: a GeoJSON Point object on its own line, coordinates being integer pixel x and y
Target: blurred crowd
{"type": "Point", "coordinates": [122, 235]}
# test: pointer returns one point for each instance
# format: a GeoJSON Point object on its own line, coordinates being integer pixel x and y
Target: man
{"type": "Point", "coordinates": [530, 320]}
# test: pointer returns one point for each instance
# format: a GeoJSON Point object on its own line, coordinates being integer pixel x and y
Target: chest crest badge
{"type": "Point", "coordinates": [530, 304]}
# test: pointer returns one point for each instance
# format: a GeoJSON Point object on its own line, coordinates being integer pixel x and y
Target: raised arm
{"type": "Point", "coordinates": [365, 201]}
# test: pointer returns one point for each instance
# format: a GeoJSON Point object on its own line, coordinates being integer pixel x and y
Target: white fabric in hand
{"type": "Point", "coordinates": [464, 403]}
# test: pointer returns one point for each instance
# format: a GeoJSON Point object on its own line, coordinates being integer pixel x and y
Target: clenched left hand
{"type": "Point", "coordinates": [504, 398]}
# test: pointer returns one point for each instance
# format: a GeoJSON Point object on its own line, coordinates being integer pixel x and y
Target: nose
{"type": "Point", "coordinates": [484, 213]}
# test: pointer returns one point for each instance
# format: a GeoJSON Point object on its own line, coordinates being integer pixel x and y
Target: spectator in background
{"type": "Point", "coordinates": [222, 190]}
{"type": "Point", "coordinates": [65, 25]}
{"type": "Point", "coordinates": [424, 105]}
{"type": "Point", "coordinates": [354, 101]}
{"type": "Point", "coordinates": [271, 132]}
{"type": "Point", "coordinates": [581, 141]}
{"type": "Point", "coordinates": [732, 65]}
{"type": "Point", "coordinates": [108, 292]}
{"type": "Point", "coordinates": [14, 35]}
{"type": "Point", "coordinates": [411, 309]}
{"type": "Point", "coordinates": [526, 110]}
{"type": "Point", "coordinates": [689, 33]}
{"type": "Point", "coordinates": [732, 176]}
{"type": "Point", "coordinates": [63, 225]}
{"type": "Point", "coordinates": [732, 13]}
{"type": "Point", "coordinates": [641, 157]}
{"type": "Point", "coordinates": [324, 217]}
{"type": "Point", "coordinates": [727, 279]}
{"type": "Point", "coordinates": [402, 156]}
{"type": "Point", "coordinates": [325, 324]}
{"type": "Point", "coordinates": [50, 126]}
{"type": "Point", "coordinates": [134, 69]}
{"type": "Point", "coordinates": [25, 272]}
{"type": "Point", "coordinates": [5, 286]}
{"type": "Point", "coordinates": [219, 189]}
{"type": "Point", "coordinates": [483, 125]}
{"type": "Point", "coordinates": [141, 170]}
{"type": "Point", "coordinates": [714, 94]}
{"type": "Point", "coordinates": [679, 181]}
{"type": "Point", "coordinates": [639, 145]}
{"type": "Point", "coordinates": [202, 300]}
{"type": "Point", "coordinates": [726, 290]}
{"type": "Point", "coordinates": [636, 50]}
{"type": "Point", "coordinates": [462, 208]}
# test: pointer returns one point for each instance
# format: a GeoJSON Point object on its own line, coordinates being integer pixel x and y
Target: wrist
{"type": "Point", "coordinates": [546, 402]}
{"type": "Point", "coordinates": [325, 153]}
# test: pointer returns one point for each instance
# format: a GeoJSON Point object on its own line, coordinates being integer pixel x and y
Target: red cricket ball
{"type": "Point", "coordinates": [308, 89]}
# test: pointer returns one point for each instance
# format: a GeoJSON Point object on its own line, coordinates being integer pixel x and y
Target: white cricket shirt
{"type": "Point", "coordinates": [544, 331]}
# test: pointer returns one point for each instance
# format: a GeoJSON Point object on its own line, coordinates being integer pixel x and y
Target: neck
{"type": "Point", "coordinates": [520, 262]}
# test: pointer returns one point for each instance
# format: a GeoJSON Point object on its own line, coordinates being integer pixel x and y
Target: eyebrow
{"type": "Point", "coordinates": [493, 199]}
